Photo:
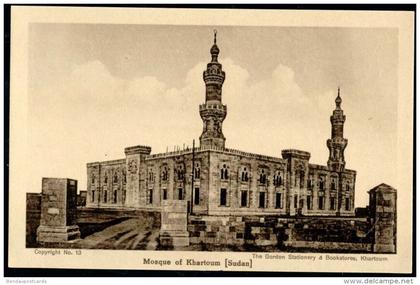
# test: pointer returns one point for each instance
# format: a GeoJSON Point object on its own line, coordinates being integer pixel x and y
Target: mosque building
{"type": "Point", "coordinates": [216, 180]}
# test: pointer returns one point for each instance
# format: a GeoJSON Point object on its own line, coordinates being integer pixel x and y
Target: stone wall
{"type": "Point", "coordinates": [345, 230]}
{"type": "Point", "coordinates": [216, 230]}
{"type": "Point", "coordinates": [33, 217]}
{"type": "Point", "coordinates": [288, 234]}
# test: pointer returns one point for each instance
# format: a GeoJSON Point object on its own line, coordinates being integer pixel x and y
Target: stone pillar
{"type": "Point", "coordinates": [58, 211]}
{"type": "Point", "coordinates": [383, 212]}
{"type": "Point", "coordinates": [136, 175]}
{"type": "Point", "coordinates": [173, 231]}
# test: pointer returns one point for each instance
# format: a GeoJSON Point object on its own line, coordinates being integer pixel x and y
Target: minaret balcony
{"type": "Point", "coordinates": [212, 78]}
{"type": "Point", "coordinates": [337, 141]}
{"type": "Point", "coordinates": [213, 106]}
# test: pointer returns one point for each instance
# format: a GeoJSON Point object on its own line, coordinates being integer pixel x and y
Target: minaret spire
{"type": "Point", "coordinates": [338, 100]}
{"type": "Point", "coordinates": [213, 112]}
{"type": "Point", "coordinates": [214, 51]}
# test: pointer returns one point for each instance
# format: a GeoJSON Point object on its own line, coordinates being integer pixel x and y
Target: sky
{"type": "Point", "coordinates": [95, 89]}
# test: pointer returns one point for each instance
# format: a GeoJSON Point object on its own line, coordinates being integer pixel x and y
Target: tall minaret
{"type": "Point", "coordinates": [337, 143]}
{"type": "Point", "coordinates": [213, 112]}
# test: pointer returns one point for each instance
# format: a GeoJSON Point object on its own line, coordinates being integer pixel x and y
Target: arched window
{"type": "Point", "coordinates": [244, 175]}
{"type": "Point", "coordinates": [165, 174]}
{"type": "Point", "coordinates": [277, 179]}
{"type": "Point", "coordinates": [310, 182]}
{"type": "Point", "coordinates": [333, 183]}
{"type": "Point", "coordinates": [180, 173]}
{"type": "Point", "coordinates": [115, 178]}
{"type": "Point", "coordinates": [263, 177]}
{"type": "Point", "coordinates": [93, 178]}
{"type": "Point", "coordinates": [197, 171]}
{"type": "Point", "coordinates": [321, 183]}
{"type": "Point", "coordinates": [124, 177]}
{"type": "Point", "coordinates": [224, 172]}
{"type": "Point", "coordinates": [302, 179]}
{"type": "Point", "coordinates": [106, 179]}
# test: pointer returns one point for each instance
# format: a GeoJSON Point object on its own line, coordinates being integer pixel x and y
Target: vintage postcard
{"type": "Point", "coordinates": [211, 139]}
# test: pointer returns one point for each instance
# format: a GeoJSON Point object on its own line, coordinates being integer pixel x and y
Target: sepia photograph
{"type": "Point", "coordinates": [209, 139]}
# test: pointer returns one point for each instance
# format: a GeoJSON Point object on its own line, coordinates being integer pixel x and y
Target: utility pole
{"type": "Point", "coordinates": [192, 177]}
{"type": "Point", "coordinates": [99, 186]}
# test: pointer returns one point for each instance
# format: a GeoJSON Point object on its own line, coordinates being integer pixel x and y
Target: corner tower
{"type": "Point", "coordinates": [213, 112]}
{"type": "Point", "coordinates": [337, 143]}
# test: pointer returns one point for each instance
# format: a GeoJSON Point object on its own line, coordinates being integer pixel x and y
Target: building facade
{"type": "Point", "coordinates": [216, 180]}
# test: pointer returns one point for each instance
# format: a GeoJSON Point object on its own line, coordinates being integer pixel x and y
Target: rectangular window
{"type": "Point", "coordinates": [165, 194]}
{"type": "Point", "coordinates": [180, 194]}
{"type": "Point", "coordinates": [347, 204]}
{"type": "Point", "coordinates": [332, 203]}
{"type": "Point", "coordinates": [321, 203]}
{"type": "Point", "coordinates": [150, 196]}
{"type": "Point", "coordinates": [262, 200]}
{"type": "Point", "coordinates": [309, 202]}
{"type": "Point", "coordinates": [223, 194]}
{"type": "Point", "coordinates": [93, 196]}
{"type": "Point", "coordinates": [105, 196]}
{"type": "Point", "coordinates": [295, 201]}
{"type": "Point", "coordinates": [279, 204]}
{"type": "Point", "coordinates": [244, 198]}
{"type": "Point", "coordinates": [115, 196]}
{"type": "Point", "coordinates": [196, 196]}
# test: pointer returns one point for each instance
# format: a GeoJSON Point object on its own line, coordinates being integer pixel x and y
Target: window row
{"type": "Point", "coordinates": [179, 173]}
{"type": "Point", "coordinates": [179, 194]}
{"type": "Point", "coordinates": [322, 183]}
{"type": "Point", "coordinates": [245, 176]}
{"type": "Point", "coordinates": [244, 199]}
{"type": "Point", "coordinates": [112, 197]}
{"type": "Point", "coordinates": [321, 203]}
{"type": "Point", "coordinates": [278, 201]}
{"type": "Point", "coordinates": [115, 179]}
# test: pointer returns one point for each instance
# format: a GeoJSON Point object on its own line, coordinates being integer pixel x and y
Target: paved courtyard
{"type": "Point", "coordinates": [133, 233]}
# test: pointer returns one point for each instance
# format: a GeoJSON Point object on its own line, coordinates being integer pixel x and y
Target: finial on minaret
{"type": "Point", "coordinates": [214, 51]}
{"type": "Point", "coordinates": [338, 99]}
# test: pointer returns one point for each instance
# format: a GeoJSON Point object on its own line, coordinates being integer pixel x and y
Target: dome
{"type": "Point", "coordinates": [214, 50]}
{"type": "Point", "coordinates": [338, 99]}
